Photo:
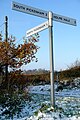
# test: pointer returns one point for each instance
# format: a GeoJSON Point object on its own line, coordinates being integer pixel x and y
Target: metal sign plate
{"type": "Point", "coordinates": [41, 13]}
{"type": "Point", "coordinates": [37, 29]}
{"type": "Point", "coordinates": [29, 10]}
{"type": "Point", "coordinates": [64, 19]}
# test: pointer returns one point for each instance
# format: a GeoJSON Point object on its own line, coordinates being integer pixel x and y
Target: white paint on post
{"type": "Point", "coordinates": [51, 59]}
{"type": "Point", "coordinates": [37, 29]}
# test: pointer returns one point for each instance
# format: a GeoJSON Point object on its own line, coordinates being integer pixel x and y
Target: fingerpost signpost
{"type": "Point", "coordinates": [50, 16]}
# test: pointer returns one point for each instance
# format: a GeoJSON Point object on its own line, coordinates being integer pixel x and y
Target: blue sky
{"type": "Point", "coordinates": [66, 37]}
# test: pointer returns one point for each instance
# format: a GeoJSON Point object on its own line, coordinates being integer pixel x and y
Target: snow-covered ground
{"type": "Point", "coordinates": [39, 108]}
{"type": "Point", "coordinates": [46, 91]}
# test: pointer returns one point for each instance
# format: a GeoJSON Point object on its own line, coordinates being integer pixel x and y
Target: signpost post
{"type": "Point", "coordinates": [50, 16]}
{"type": "Point", "coordinates": [51, 58]}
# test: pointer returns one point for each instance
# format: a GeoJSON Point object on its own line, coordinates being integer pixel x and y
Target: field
{"type": "Point", "coordinates": [38, 107]}
{"type": "Point", "coordinates": [67, 104]}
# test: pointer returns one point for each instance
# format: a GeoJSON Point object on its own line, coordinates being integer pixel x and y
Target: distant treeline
{"type": "Point", "coordinates": [44, 77]}
{"type": "Point", "coordinates": [69, 73]}
{"type": "Point", "coordinates": [24, 78]}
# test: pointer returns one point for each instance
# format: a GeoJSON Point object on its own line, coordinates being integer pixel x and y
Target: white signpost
{"type": "Point", "coordinates": [37, 29]}
{"type": "Point", "coordinates": [50, 16]}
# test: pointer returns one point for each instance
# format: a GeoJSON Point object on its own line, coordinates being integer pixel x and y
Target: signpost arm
{"type": "Point", "coordinates": [51, 59]}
